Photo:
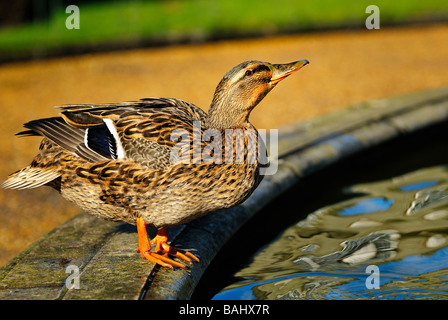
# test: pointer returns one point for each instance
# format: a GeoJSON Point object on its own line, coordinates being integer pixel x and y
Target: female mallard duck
{"type": "Point", "coordinates": [131, 161]}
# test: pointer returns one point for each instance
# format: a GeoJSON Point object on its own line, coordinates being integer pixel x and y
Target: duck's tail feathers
{"type": "Point", "coordinates": [30, 177]}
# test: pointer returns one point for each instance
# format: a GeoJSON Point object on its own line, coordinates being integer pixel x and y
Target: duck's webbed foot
{"type": "Point", "coordinates": [162, 249]}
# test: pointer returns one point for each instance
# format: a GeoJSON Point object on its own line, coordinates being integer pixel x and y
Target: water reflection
{"type": "Point", "coordinates": [399, 225]}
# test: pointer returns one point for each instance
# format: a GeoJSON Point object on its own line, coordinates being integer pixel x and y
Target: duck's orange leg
{"type": "Point", "coordinates": [144, 247]}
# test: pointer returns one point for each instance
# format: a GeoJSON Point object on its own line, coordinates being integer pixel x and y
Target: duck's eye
{"type": "Point", "coordinates": [249, 73]}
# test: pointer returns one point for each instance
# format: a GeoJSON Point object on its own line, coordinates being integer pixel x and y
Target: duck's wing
{"type": "Point", "coordinates": [140, 130]}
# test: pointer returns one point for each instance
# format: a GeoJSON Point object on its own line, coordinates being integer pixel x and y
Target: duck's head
{"type": "Point", "coordinates": [242, 88]}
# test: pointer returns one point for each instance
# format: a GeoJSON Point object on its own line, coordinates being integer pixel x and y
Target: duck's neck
{"type": "Point", "coordinates": [221, 117]}
{"type": "Point", "coordinates": [227, 112]}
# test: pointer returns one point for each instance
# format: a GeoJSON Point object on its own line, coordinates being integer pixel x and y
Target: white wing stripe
{"type": "Point", "coordinates": [110, 125]}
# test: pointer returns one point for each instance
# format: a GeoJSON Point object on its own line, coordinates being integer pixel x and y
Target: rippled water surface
{"type": "Point", "coordinates": [386, 239]}
{"type": "Point", "coordinates": [398, 227]}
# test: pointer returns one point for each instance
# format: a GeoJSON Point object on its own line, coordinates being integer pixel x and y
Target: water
{"type": "Point", "coordinates": [368, 229]}
{"type": "Point", "coordinates": [399, 226]}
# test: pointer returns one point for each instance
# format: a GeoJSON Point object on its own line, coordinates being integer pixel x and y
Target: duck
{"type": "Point", "coordinates": [156, 162]}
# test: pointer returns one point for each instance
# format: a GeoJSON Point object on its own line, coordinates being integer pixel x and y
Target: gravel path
{"type": "Point", "coordinates": [345, 68]}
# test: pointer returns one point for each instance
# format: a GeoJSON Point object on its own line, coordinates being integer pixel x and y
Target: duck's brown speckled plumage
{"type": "Point", "coordinates": [116, 160]}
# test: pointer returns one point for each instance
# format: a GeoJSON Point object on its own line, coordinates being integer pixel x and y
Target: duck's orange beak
{"type": "Point", "coordinates": [281, 71]}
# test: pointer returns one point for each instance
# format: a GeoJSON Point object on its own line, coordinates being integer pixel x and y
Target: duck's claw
{"type": "Point", "coordinates": [162, 250]}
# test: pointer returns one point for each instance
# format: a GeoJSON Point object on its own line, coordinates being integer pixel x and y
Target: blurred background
{"type": "Point", "coordinates": [130, 49]}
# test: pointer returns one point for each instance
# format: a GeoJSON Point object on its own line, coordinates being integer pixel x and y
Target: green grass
{"type": "Point", "coordinates": [117, 21]}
